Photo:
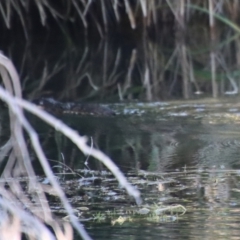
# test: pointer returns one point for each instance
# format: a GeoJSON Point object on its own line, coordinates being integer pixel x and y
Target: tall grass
{"type": "Point", "coordinates": [184, 47]}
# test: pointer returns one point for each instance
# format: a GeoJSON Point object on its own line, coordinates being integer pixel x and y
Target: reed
{"type": "Point", "coordinates": [193, 42]}
{"type": "Point", "coordinates": [14, 200]}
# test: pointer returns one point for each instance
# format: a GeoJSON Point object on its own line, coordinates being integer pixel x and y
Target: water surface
{"type": "Point", "coordinates": [176, 153]}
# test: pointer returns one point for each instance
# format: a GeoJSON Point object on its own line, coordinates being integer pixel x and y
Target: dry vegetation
{"type": "Point", "coordinates": [215, 53]}
{"type": "Point", "coordinates": [195, 48]}
{"type": "Point", "coordinates": [18, 164]}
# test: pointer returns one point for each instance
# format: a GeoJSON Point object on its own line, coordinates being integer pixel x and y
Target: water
{"type": "Point", "coordinates": [180, 155]}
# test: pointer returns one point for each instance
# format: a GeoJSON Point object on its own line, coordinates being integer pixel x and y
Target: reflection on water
{"type": "Point", "coordinates": [174, 153]}
{"type": "Point", "coordinates": [154, 137]}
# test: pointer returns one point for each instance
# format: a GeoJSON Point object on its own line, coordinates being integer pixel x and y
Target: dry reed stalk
{"type": "Point", "coordinates": [152, 15]}
{"type": "Point", "coordinates": [42, 13]}
{"type": "Point", "coordinates": [84, 70]}
{"type": "Point", "coordinates": [233, 8]}
{"type": "Point", "coordinates": [104, 16]}
{"type": "Point", "coordinates": [115, 9]}
{"type": "Point", "coordinates": [127, 83]}
{"type": "Point", "coordinates": [15, 105]}
{"type": "Point", "coordinates": [120, 94]}
{"type": "Point", "coordinates": [212, 27]}
{"type": "Point", "coordinates": [178, 9]}
{"type": "Point", "coordinates": [15, 221]}
{"type": "Point", "coordinates": [112, 77]}
{"type": "Point", "coordinates": [46, 75]}
{"type": "Point", "coordinates": [19, 160]}
{"type": "Point", "coordinates": [183, 49]}
{"type": "Point", "coordinates": [184, 67]}
{"type": "Point", "coordinates": [6, 14]}
{"type": "Point", "coordinates": [233, 84]}
{"type": "Point", "coordinates": [155, 68]}
{"type": "Point", "coordinates": [147, 84]}
{"type": "Point", "coordinates": [143, 4]}
{"type": "Point", "coordinates": [105, 62]}
{"type": "Point", "coordinates": [86, 7]}
{"type": "Point", "coordinates": [192, 77]}
{"type": "Point", "coordinates": [130, 14]}
{"type": "Point", "coordinates": [81, 15]}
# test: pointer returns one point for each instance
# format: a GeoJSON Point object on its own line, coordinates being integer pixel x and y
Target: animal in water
{"type": "Point", "coordinates": [56, 107]}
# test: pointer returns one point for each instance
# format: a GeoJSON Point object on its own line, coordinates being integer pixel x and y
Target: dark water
{"type": "Point", "coordinates": [180, 153]}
